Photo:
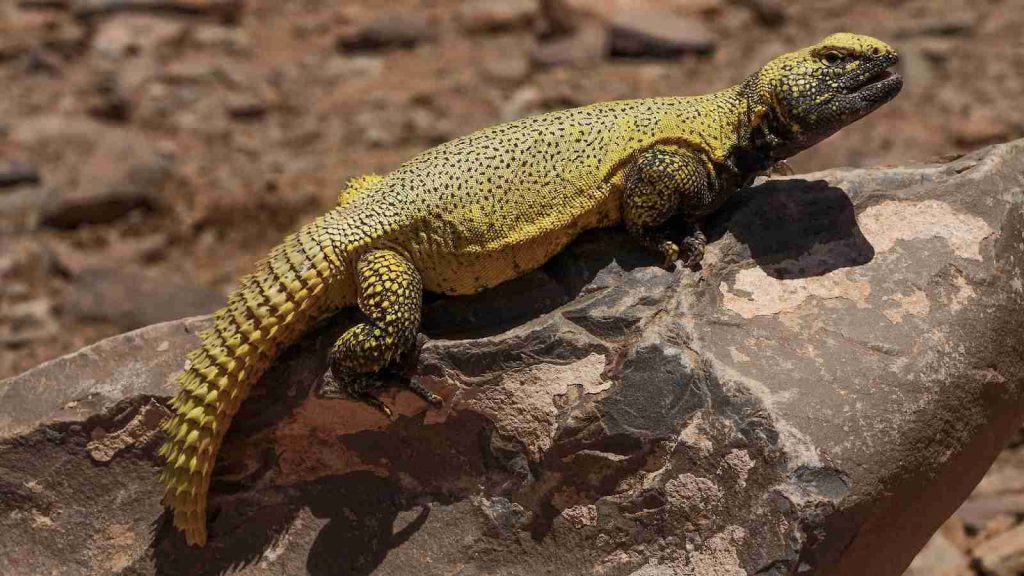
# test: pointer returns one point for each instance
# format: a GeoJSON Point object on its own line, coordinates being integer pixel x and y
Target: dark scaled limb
{"type": "Point", "coordinates": [344, 383]}
{"type": "Point", "coordinates": [427, 395]}
{"type": "Point", "coordinates": [693, 247]}
{"type": "Point", "coordinates": [661, 182]}
{"type": "Point", "coordinates": [391, 298]}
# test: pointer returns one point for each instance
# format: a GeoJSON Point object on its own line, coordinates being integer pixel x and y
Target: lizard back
{"type": "Point", "coordinates": [487, 207]}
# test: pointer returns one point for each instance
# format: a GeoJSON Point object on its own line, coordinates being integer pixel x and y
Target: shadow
{"type": "Point", "coordinates": [361, 510]}
{"type": "Point", "coordinates": [353, 516]}
{"type": "Point", "coordinates": [595, 260]}
{"type": "Point", "coordinates": [793, 228]}
{"type": "Point", "coordinates": [243, 521]}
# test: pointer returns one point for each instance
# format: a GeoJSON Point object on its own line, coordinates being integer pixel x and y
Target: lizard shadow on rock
{"type": "Point", "coordinates": [793, 228]}
{"type": "Point", "coordinates": [355, 516]}
{"type": "Point", "coordinates": [780, 223]}
{"type": "Point", "coordinates": [259, 488]}
{"type": "Point", "coordinates": [597, 259]}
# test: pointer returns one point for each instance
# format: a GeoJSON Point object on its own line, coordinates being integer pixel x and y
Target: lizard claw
{"type": "Point", "coordinates": [329, 387]}
{"type": "Point", "coordinates": [670, 250]}
{"type": "Point", "coordinates": [333, 388]}
{"type": "Point", "coordinates": [694, 251]}
{"type": "Point", "coordinates": [781, 168]}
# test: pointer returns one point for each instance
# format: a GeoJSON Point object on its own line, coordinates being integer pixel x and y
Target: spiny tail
{"type": "Point", "coordinates": [289, 290]}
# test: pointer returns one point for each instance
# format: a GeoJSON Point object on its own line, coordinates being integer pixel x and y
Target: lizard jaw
{"type": "Point", "coordinates": [876, 78]}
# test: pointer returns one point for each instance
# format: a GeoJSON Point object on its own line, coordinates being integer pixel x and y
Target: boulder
{"type": "Point", "coordinates": [15, 173]}
{"type": "Point", "coordinates": [657, 34]}
{"type": "Point", "coordinates": [816, 400]}
{"type": "Point", "coordinates": [129, 297]}
{"type": "Point", "coordinates": [390, 31]}
{"type": "Point", "coordinates": [494, 15]}
{"type": "Point", "coordinates": [584, 46]}
{"type": "Point", "coordinates": [93, 173]}
{"type": "Point", "coordinates": [226, 10]}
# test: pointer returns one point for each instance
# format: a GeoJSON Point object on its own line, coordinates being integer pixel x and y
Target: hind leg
{"type": "Point", "coordinates": [391, 298]}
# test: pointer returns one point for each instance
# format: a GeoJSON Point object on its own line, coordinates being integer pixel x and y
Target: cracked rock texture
{"type": "Point", "coordinates": [817, 400]}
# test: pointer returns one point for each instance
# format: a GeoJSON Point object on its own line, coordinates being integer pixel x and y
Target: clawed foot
{"type": "Point", "coordinates": [694, 247]}
{"type": "Point", "coordinates": [351, 387]}
{"type": "Point", "coordinates": [690, 253]}
{"type": "Point", "coordinates": [781, 168]}
{"type": "Point", "coordinates": [329, 387]}
{"type": "Point", "coordinates": [356, 386]}
{"type": "Point", "coordinates": [670, 252]}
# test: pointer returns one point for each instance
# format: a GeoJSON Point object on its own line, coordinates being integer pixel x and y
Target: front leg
{"type": "Point", "coordinates": [660, 181]}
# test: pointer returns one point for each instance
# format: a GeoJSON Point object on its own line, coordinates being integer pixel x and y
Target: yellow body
{"type": "Point", "coordinates": [480, 210]}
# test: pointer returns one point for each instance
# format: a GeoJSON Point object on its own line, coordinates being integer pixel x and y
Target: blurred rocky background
{"type": "Point", "coordinates": [152, 150]}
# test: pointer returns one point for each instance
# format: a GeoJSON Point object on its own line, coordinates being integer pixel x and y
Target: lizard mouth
{"type": "Point", "coordinates": [875, 79]}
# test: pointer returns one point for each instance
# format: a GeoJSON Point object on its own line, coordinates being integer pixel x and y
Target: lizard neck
{"type": "Point", "coordinates": [764, 136]}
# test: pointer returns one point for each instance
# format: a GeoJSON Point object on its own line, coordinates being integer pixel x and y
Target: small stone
{"type": "Point", "coordinates": [587, 45]}
{"type": "Point", "coordinates": [980, 127]}
{"type": "Point", "coordinates": [431, 125]}
{"type": "Point", "coordinates": [123, 173]}
{"type": "Point", "coordinates": [235, 41]}
{"type": "Point", "coordinates": [998, 524]}
{"type": "Point", "coordinates": [939, 557]}
{"type": "Point", "coordinates": [978, 511]}
{"type": "Point", "coordinates": [246, 105]}
{"type": "Point", "coordinates": [491, 15]}
{"type": "Point", "coordinates": [14, 173]}
{"type": "Point", "coordinates": [71, 261]}
{"type": "Point", "coordinates": [129, 297]}
{"type": "Point", "coordinates": [343, 68]}
{"type": "Point", "coordinates": [227, 10]}
{"type": "Point", "coordinates": [1004, 554]}
{"type": "Point", "coordinates": [27, 321]}
{"type": "Point", "coordinates": [944, 23]}
{"type": "Point", "coordinates": [104, 97]}
{"type": "Point", "coordinates": [506, 66]}
{"type": "Point", "coordinates": [397, 30]}
{"type": "Point", "coordinates": [523, 102]}
{"type": "Point", "coordinates": [126, 35]}
{"type": "Point", "coordinates": [769, 12]}
{"type": "Point", "coordinates": [191, 72]}
{"type": "Point", "coordinates": [652, 34]}
{"type": "Point", "coordinates": [381, 127]}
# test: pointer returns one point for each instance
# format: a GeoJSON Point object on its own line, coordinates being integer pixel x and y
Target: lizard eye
{"type": "Point", "coordinates": [832, 57]}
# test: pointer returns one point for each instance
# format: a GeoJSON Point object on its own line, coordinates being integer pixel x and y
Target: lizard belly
{"type": "Point", "coordinates": [464, 267]}
{"type": "Point", "coordinates": [470, 271]}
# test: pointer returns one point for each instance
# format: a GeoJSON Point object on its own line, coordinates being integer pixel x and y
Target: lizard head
{"type": "Point", "coordinates": [815, 91]}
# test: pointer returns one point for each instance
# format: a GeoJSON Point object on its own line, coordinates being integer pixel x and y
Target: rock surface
{"type": "Point", "coordinates": [816, 401]}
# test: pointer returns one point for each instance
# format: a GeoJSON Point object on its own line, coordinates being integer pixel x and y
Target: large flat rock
{"type": "Point", "coordinates": [815, 401]}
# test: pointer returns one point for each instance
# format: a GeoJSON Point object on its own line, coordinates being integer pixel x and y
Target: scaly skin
{"type": "Point", "coordinates": [479, 210]}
